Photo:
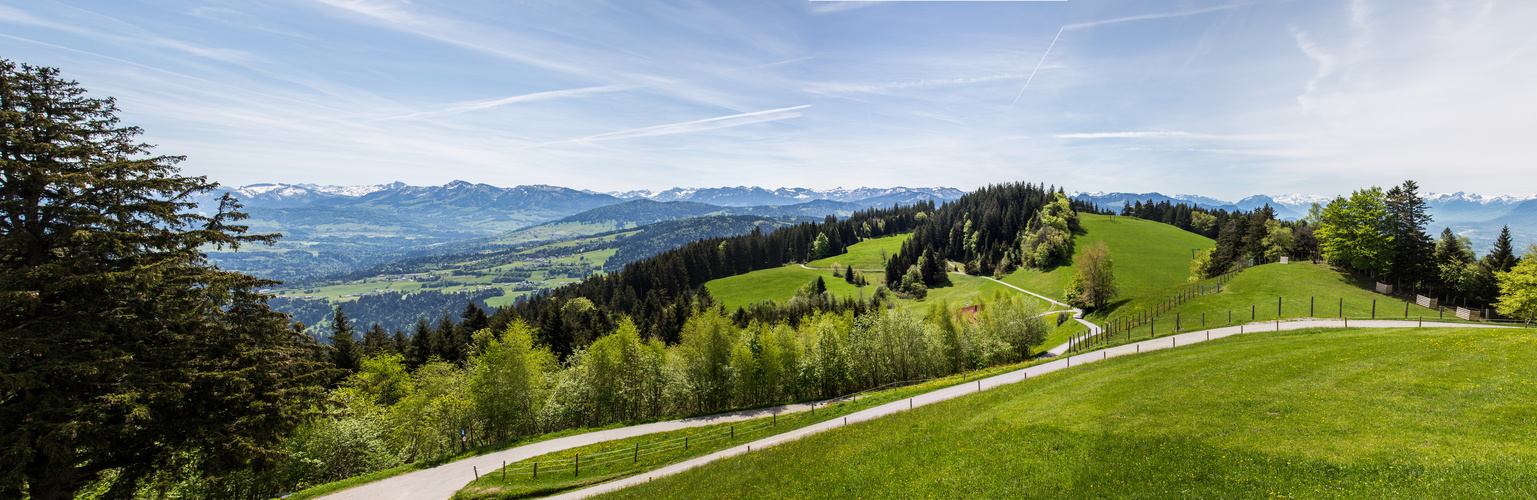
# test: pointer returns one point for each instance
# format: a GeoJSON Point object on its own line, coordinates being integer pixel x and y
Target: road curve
{"type": "Point", "coordinates": [1077, 316]}
{"type": "Point", "coordinates": [995, 381]}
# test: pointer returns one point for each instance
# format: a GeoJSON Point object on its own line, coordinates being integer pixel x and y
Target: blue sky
{"type": "Point", "coordinates": [1218, 98]}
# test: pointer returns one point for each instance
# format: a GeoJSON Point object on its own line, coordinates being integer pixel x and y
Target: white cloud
{"type": "Point", "coordinates": [706, 124]}
{"type": "Point", "coordinates": [465, 107]}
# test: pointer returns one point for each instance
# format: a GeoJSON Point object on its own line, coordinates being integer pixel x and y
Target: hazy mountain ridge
{"type": "Point", "coordinates": [757, 196]}
{"type": "Point", "coordinates": [1443, 207]}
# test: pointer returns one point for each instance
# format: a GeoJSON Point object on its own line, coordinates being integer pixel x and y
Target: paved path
{"type": "Point", "coordinates": [995, 381]}
{"type": "Point", "coordinates": [443, 481]}
{"type": "Point", "coordinates": [1077, 316]}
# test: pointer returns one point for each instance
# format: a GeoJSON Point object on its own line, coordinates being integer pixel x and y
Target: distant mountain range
{"type": "Point", "coordinates": [1444, 207]}
{"type": "Point", "coordinates": [331, 229]}
{"type": "Point", "coordinates": [742, 196]}
{"type": "Point", "coordinates": [560, 199]}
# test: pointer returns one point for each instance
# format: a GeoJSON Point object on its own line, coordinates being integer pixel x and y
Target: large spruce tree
{"type": "Point", "coordinates": [1503, 256]}
{"type": "Point", "coordinates": [123, 353]}
{"type": "Point", "coordinates": [1414, 251]}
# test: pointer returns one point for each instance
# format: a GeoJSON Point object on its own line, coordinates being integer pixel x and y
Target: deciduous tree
{"type": "Point", "coordinates": [1094, 282]}
{"type": "Point", "coordinates": [1518, 287]}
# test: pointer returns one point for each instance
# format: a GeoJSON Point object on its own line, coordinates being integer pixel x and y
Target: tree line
{"type": "Point", "coordinates": [658, 293]}
{"type": "Point", "coordinates": [1383, 234]}
{"type": "Point", "coordinates": [393, 409]}
{"type": "Point", "coordinates": [991, 231]}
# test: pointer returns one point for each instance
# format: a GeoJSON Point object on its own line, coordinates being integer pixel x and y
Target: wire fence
{"type": "Point", "coordinates": [1155, 321]}
{"type": "Point", "coordinates": [1125, 325]}
{"type": "Point", "coordinates": [632, 455]}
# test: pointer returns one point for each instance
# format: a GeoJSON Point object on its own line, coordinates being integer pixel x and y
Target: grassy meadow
{"type": "Point", "coordinates": [610, 460]}
{"type": "Point", "coordinates": [1148, 256]}
{"type": "Point", "coordinates": [779, 283]}
{"type": "Point", "coordinates": [1304, 289]}
{"type": "Point", "coordinates": [865, 255]}
{"type": "Point", "coordinates": [1346, 413]}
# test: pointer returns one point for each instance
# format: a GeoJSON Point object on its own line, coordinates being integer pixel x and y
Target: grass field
{"type": "Point", "coordinates": [964, 291]}
{"type": "Point", "coordinates": [865, 255]}
{"type": "Point", "coordinates": [1304, 289]}
{"type": "Point", "coordinates": [779, 283]}
{"type": "Point", "coordinates": [1379, 413]}
{"type": "Point", "coordinates": [1148, 256]}
{"type": "Point", "coordinates": [606, 461]}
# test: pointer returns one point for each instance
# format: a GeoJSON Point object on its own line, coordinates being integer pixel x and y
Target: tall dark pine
{"type": "Point", "coordinates": [123, 352]}
{"type": "Point", "coordinates": [422, 347]}
{"type": "Point", "coordinates": [1502, 257]}
{"type": "Point", "coordinates": [472, 320]}
{"type": "Point", "coordinates": [1414, 252]}
{"type": "Point", "coordinates": [447, 341]}
{"type": "Point", "coordinates": [376, 341]}
{"type": "Point", "coordinates": [343, 338]}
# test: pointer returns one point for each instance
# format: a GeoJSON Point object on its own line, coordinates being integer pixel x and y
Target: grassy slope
{"type": "Point", "coordinates": [779, 283]}
{"type": "Point", "coordinates": [865, 255]}
{"type": "Point", "coordinates": [1148, 256]}
{"type": "Point", "coordinates": [1253, 293]}
{"type": "Point", "coordinates": [656, 451]}
{"type": "Point", "coordinates": [1399, 413]}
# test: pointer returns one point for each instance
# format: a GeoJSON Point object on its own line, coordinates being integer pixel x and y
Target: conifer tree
{"type": "Point", "coordinates": [422, 349]}
{"type": "Point", "coordinates": [376, 341]}
{"type": "Point", "coordinates": [344, 352]}
{"type": "Point", "coordinates": [1502, 257]}
{"type": "Point", "coordinates": [123, 352]}
{"type": "Point", "coordinates": [1413, 250]}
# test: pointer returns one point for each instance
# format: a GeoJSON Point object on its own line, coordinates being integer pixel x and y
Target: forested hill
{"type": "Point", "coordinates": [659, 293]}
{"type": "Point", "coordinates": [992, 231]}
{"type": "Point", "coordinates": [985, 229]}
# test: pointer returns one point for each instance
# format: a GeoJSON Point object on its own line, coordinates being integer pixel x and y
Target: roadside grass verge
{"type": "Point", "coordinates": [334, 486]}
{"type": "Point", "coordinates": [610, 460]}
{"type": "Point", "coordinates": [1349, 413]}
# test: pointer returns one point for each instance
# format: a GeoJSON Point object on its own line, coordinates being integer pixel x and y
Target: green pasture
{"type": "Point", "coordinates": [1269, 292]}
{"type": "Point", "coordinates": [1148, 256]}
{"type": "Point", "coordinates": [1344, 413]}
{"type": "Point", "coordinates": [865, 255]}
{"type": "Point", "coordinates": [610, 460]}
{"type": "Point", "coordinates": [778, 283]}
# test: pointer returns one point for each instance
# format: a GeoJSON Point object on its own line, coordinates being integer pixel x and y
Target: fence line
{"type": "Point", "coordinates": [575, 462]}
{"type": "Point", "coordinates": [1147, 322]}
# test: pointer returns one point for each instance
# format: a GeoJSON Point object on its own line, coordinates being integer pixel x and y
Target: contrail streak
{"type": "Point", "coordinates": [1037, 67]}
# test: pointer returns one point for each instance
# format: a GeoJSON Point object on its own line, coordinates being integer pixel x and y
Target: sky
{"type": "Point", "coordinates": [1211, 97]}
